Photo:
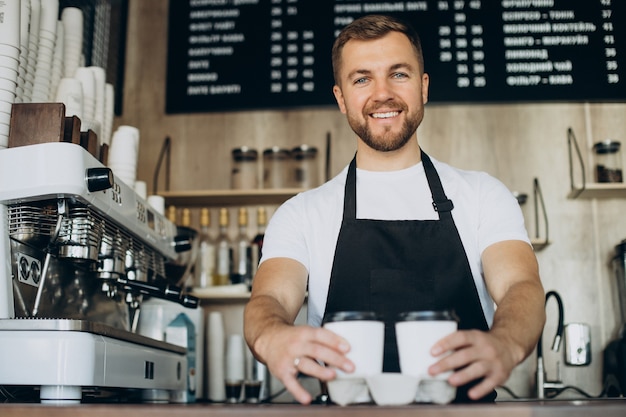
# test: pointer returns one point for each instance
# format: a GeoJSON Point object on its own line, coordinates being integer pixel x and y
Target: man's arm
{"type": "Point", "coordinates": [278, 291]}
{"type": "Point", "coordinates": [512, 278]}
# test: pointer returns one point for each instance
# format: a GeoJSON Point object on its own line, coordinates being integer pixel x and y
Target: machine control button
{"type": "Point", "coordinates": [99, 179]}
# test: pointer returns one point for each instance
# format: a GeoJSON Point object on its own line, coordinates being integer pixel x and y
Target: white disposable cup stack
{"type": "Point", "coordinates": [99, 75]}
{"type": "Point", "coordinates": [157, 202]}
{"type": "Point", "coordinates": [57, 62]}
{"type": "Point", "coordinates": [33, 49]}
{"type": "Point", "coordinates": [49, 17]}
{"type": "Point", "coordinates": [70, 93]}
{"type": "Point", "coordinates": [235, 358]}
{"type": "Point", "coordinates": [86, 77]}
{"type": "Point", "coordinates": [123, 154]}
{"type": "Point", "coordinates": [109, 110]}
{"type": "Point", "coordinates": [10, 23]}
{"type": "Point", "coordinates": [23, 58]}
{"type": "Point", "coordinates": [72, 18]}
{"type": "Point", "coordinates": [141, 188]}
{"type": "Point", "coordinates": [45, 52]}
{"type": "Point", "coordinates": [10, 10]}
{"type": "Point", "coordinates": [215, 357]}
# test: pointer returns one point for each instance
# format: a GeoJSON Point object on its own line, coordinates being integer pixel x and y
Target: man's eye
{"type": "Point", "coordinates": [399, 75]}
{"type": "Point", "coordinates": [361, 80]}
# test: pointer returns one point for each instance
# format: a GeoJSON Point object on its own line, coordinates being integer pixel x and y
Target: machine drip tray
{"type": "Point", "coordinates": [70, 325]}
{"type": "Point", "coordinates": [63, 358]}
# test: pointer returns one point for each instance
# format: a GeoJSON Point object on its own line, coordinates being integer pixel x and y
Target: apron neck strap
{"type": "Point", "coordinates": [441, 203]}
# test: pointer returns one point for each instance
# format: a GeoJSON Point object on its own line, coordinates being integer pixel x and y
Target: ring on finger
{"type": "Point", "coordinates": [296, 362]}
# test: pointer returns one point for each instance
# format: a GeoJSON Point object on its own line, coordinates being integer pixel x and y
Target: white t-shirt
{"type": "Point", "coordinates": [305, 228]}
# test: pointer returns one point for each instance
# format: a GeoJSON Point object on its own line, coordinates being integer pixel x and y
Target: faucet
{"type": "Point", "coordinates": [542, 382]}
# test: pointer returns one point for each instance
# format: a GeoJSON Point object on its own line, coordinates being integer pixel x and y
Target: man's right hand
{"type": "Point", "coordinates": [288, 350]}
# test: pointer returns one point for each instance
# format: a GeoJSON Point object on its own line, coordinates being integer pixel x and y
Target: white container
{"type": "Point", "coordinates": [416, 334]}
{"type": "Point", "coordinates": [365, 334]}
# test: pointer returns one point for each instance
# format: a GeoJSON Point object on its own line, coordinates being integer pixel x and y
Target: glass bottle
{"type": "Point", "coordinates": [257, 241]}
{"type": "Point", "coordinates": [224, 251]}
{"type": "Point", "coordinates": [171, 214]}
{"type": "Point", "coordinates": [185, 219]}
{"type": "Point", "coordinates": [205, 262]}
{"type": "Point", "coordinates": [242, 259]}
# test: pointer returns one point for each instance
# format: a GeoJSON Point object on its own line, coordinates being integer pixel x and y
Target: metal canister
{"type": "Point", "coordinates": [608, 161]}
{"type": "Point", "coordinates": [275, 167]}
{"type": "Point", "coordinates": [305, 171]}
{"type": "Point", "coordinates": [244, 175]}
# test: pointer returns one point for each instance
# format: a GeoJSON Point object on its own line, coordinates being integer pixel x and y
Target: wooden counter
{"type": "Point", "coordinates": [603, 408]}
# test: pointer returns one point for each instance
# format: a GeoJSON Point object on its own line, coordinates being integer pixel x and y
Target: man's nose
{"type": "Point", "coordinates": [383, 90]}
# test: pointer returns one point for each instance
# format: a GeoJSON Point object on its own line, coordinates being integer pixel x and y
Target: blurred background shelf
{"type": "Point", "coordinates": [204, 198]}
{"type": "Point", "coordinates": [598, 190]}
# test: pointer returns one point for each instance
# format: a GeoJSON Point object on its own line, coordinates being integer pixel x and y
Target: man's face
{"type": "Point", "coordinates": [382, 90]}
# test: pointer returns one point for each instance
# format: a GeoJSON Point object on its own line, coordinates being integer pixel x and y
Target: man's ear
{"type": "Point", "coordinates": [339, 97]}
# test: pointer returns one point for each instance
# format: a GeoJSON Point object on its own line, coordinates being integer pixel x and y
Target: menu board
{"type": "Point", "coordinates": [228, 55]}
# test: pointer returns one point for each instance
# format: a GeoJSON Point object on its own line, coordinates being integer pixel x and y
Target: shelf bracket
{"type": "Point", "coordinates": [538, 199]}
{"type": "Point", "coordinates": [572, 142]}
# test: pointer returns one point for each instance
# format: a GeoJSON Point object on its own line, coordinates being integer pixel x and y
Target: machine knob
{"type": "Point", "coordinates": [99, 179]}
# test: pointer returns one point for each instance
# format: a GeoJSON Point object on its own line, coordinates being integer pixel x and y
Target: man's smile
{"type": "Point", "coordinates": [385, 115]}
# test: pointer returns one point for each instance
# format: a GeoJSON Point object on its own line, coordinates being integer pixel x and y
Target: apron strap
{"type": "Point", "coordinates": [349, 195]}
{"type": "Point", "coordinates": [441, 203]}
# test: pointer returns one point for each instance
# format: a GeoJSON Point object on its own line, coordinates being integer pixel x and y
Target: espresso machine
{"type": "Point", "coordinates": [80, 251]}
{"type": "Point", "coordinates": [615, 352]}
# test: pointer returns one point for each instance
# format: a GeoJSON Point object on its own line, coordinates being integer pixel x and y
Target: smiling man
{"type": "Point", "coordinates": [395, 231]}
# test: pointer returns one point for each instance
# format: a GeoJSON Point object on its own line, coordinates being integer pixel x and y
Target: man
{"type": "Point", "coordinates": [395, 231]}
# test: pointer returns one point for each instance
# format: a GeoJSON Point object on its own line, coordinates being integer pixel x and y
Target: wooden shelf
{"type": "Point", "coordinates": [599, 190]}
{"type": "Point", "coordinates": [587, 189]}
{"type": "Point", "coordinates": [204, 198]}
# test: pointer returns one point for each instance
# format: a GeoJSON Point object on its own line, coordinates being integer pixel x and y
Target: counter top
{"type": "Point", "coordinates": [578, 408]}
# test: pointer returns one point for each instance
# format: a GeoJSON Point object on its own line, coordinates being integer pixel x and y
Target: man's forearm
{"type": "Point", "coordinates": [520, 317]}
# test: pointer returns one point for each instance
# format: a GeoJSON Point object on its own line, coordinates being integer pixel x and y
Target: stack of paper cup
{"type": "Point", "coordinates": [123, 154]}
{"type": "Point", "coordinates": [70, 93]}
{"type": "Point", "coordinates": [215, 357]}
{"type": "Point", "coordinates": [47, 38]}
{"type": "Point", "coordinates": [9, 63]}
{"type": "Point", "coordinates": [72, 18]}
{"type": "Point", "coordinates": [99, 75]}
{"type": "Point", "coordinates": [33, 48]}
{"type": "Point", "coordinates": [88, 81]}
{"type": "Point", "coordinates": [57, 62]}
{"type": "Point", "coordinates": [109, 110]}
{"type": "Point", "coordinates": [21, 75]}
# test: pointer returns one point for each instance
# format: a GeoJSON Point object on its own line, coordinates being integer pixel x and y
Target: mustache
{"type": "Point", "coordinates": [386, 105]}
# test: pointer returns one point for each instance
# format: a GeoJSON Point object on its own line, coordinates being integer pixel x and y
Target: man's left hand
{"type": "Point", "coordinates": [474, 355]}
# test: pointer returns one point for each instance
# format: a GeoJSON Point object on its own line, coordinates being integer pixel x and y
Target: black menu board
{"type": "Point", "coordinates": [268, 54]}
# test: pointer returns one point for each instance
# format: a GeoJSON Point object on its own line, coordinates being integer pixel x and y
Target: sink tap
{"type": "Point", "coordinates": [542, 382]}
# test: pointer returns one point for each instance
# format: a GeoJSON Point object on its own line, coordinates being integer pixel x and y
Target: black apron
{"type": "Point", "coordinates": [393, 266]}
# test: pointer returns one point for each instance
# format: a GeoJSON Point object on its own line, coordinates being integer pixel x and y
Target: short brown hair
{"type": "Point", "coordinates": [373, 27]}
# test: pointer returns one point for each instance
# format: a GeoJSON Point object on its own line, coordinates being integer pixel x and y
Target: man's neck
{"type": "Point", "coordinates": [373, 160]}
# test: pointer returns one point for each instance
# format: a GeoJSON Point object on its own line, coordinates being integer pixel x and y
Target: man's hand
{"type": "Point", "coordinates": [475, 354]}
{"type": "Point", "coordinates": [288, 350]}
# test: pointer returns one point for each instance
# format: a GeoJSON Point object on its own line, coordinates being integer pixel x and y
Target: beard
{"type": "Point", "coordinates": [389, 140]}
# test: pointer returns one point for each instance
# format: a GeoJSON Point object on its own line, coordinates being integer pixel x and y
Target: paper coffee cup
{"type": "Point", "coordinates": [416, 333]}
{"type": "Point", "coordinates": [366, 335]}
